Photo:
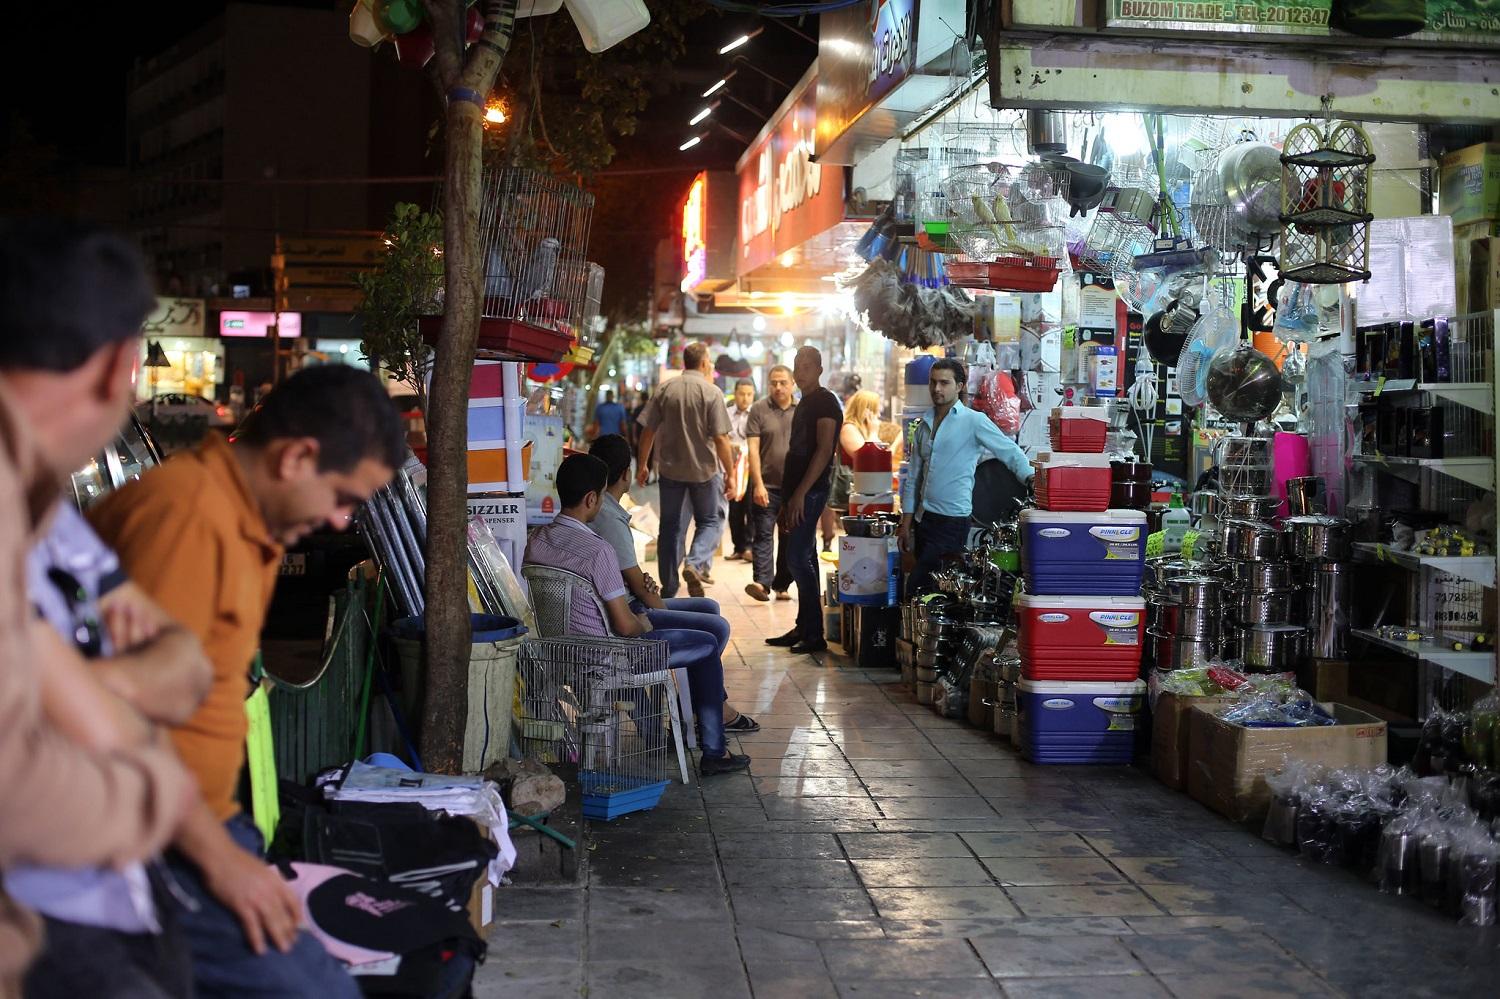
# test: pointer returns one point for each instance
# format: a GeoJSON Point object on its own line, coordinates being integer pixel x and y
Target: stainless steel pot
{"type": "Point", "coordinates": [1161, 610]}
{"type": "Point", "coordinates": [1273, 648]}
{"type": "Point", "coordinates": [1159, 571]}
{"type": "Point", "coordinates": [924, 692]}
{"type": "Point", "coordinates": [1265, 606]}
{"type": "Point", "coordinates": [926, 659]}
{"type": "Point", "coordinates": [1307, 495]}
{"type": "Point", "coordinates": [1317, 537]}
{"type": "Point", "coordinates": [1243, 506]}
{"type": "Point", "coordinates": [1251, 540]}
{"type": "Point", "coordinates": [1245, 480]}
{"type": "Point", "coordinates": [1195, 591]}
{"type": "Point", "coordinates": [1199, 623]}
{"type": "Point", "coordinates": [1236, 450]}
{"type": "Point", "coordinates": [1329, 617]}
{"type": "Point", "coordinates": [928, 643]}
{"type": "Point", "coordinates": [1046, 132]}
{"type": "Point", "coordinates": [926, 674]}
{"type": "Point", "coordinates": [1259, 577]}
{"type": "Point", "coordinates": [1184, 653]}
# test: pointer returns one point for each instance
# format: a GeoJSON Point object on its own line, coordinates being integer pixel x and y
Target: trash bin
{"type": "Point", "coordinates": [492, 681]}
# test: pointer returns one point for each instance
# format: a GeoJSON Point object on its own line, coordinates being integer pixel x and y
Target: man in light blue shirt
{"type": "Point", "coordinates": [937, 496]}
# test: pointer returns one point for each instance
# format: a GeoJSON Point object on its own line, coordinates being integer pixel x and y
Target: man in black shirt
{"type": "Point", "coordinates": [809, 457]}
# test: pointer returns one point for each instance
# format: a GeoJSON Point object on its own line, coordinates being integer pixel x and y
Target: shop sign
{"type": "Point", "coordinates": [865, 52]}
{"type": "Point", "coordinates": [258, 324]}
{"type": "Point", "coordinates": [1446, 19]}
{"type": "Point", "coordinates": [694, 232]}
{"type": "Point", "coordinates": [174, 317]}
{"type": "Point", "coordinates": [786, 196]}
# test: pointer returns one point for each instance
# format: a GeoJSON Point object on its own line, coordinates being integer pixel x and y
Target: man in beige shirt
{"type": "Point", "coordinates": [687, 425]}
{"type": "Point", "coordinates": [72, 301]}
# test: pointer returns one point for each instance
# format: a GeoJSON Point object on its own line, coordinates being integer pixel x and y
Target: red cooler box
{"type": "Point", "coordinates": [1079, 428]}
{"type": "Point", "coordinates": [1089, 639]}
{"type": "Point", "coordinates": [1072, 482]}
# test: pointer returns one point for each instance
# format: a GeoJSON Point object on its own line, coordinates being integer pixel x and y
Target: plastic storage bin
{"type": "Point", "coordinates": [1072, 482]}
{"type": "Point", "coordinates": [1096, 639]}
{"type": "Point", "coordinates": [1079, 428]}
{"type": "Point", "coordinates": [1092, 723]}
{"type": "Point", "coordinates": [1083, 554]}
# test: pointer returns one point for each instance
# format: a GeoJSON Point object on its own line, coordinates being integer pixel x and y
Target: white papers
{"type": "Point", "coordinates": [1411, 263]}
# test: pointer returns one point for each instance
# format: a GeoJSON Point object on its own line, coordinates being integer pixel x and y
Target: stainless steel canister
{"type": "Point", "coordinates": [1265, 606]}
{"type": "Point", "coordinates": [1252, 541]}
{"type": "Point", "coordinates": [1317, 537]}
{"type": "Point", "coordinates": [1329, 610]}
{"type": "Point", "coordinates": [1258, 577]}
{"type": "Point", "coordinates": [1272, 648]}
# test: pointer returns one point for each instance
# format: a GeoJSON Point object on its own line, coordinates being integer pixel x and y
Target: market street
{"type": "Point", "coordinates": [876, 850]}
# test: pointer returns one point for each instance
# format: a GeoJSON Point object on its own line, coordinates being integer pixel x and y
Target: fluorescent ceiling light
{"type": "Point", "coordinates": [716, 87]}
{"type": "Point", "coordinates": [689, 144]}
{"type": "Point", "coordinates": [701, 115]}
{"type": "Point", "coordinates": [742, 40]}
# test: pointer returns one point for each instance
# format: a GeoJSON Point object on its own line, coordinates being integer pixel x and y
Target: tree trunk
{"type": "Point", "coordinates": [445, 700]}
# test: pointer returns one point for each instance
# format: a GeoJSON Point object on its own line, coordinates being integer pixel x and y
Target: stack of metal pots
{"type": "Point", "coordinates": [1166, 621]}
{"type": "Point", "coordinates": [1319, 546]}
{"type": "Point", "coordinates": [936, 634]}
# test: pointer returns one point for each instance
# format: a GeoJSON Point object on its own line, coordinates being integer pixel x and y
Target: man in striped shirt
{"type": "Point", "coordinates": [567, 543]}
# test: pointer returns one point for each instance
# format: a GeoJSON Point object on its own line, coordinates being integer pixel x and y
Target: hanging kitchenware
{"type": "Point", "coordinates": [1325, 196]}
{"type": "Point", "coordinates": [1243, 384]}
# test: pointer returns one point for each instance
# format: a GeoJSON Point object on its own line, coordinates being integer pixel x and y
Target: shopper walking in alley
{"type": "Point", "coordinates": [936, 505]}
{"type": "Point", "coordinates": [740, 536]}
{"type": "Point", "coordinates": [768, 431]}
{"type": "Point", "coordinates": [609, 416]}
{"type": "Point", "coordinates": [87, 783]}
{"type": "Point", "coordinates": [809, 456]}
{"type": "Point", "coordinates": [568, 543]}
{"type": "Point", "coordinates": [203, 535]}
{"type": "Point", "coordinates": [686, 427]}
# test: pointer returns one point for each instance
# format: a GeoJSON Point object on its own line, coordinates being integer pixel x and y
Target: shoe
{"type": "Point", "coordinates": [783, 595]}
{"type": "Point", "coordinates": [693, 580]}
{"type": "Point", "coordinates": [742, 725]}
{"type": "Point", "coordinates": [705, 577]}
{"type": "Point", "coordinates": [804, 648]}
{"type": "Point", "coordinates": [744, 556]}
{"type": "Point", "coordinates": [786, 641]}
{"type": "Point", "coordinates": [726, 764]}
{"type": "Point", "coordinates": [757, 591]}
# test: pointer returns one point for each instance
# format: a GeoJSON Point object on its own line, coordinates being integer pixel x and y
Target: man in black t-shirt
{"type": "Point", "coordinates": [805, 483]}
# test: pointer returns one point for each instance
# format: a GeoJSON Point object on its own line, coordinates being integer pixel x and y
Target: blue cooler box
{"type": "Point", "coordinates": [1065, 722]}
{"type": "Point", "coordinates": [1083, 554]}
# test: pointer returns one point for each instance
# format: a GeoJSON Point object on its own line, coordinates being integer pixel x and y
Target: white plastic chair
{"type": "Point", "coordinates": [551, 592]}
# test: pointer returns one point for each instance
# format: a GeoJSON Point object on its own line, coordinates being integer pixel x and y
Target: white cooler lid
{"type": "Point", "coordinates": [1081, 412]}
{"type": "Point", "coordinates": [1109, 517]}
{"type": "Point", "coordinates": [1043, 601]}
{"type": "Point", "coordinates": [1070, 459]}
{"type": "Point", "coordinates": [1132, 687]}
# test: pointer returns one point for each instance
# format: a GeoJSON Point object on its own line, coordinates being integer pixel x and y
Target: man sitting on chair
{"type": "Point", "coordinates": [567, 543]}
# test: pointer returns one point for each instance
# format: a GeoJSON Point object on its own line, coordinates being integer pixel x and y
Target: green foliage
{"type": "Point", "coordinates": [407, 285]}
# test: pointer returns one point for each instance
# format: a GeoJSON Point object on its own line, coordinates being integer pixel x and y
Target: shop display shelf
{"type": "Point", "coordinates": [1473, 395]}
{"type": "Point", "coordinates": [1477, 665]}
{"type": "Point", "coordinates": [1477, 471]}
{"type": "Point", "coordinates": [1474, 568]}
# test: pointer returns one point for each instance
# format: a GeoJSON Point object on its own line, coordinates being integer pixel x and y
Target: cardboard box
{"type": "Point", "coordinates": [1469, 185]}
{"type": "Point", "coordinates": [481, 904]}
{"type": "Point", "coordinates": [1170, 718]}
{"type": "Point", "coordinates": [1227, 764]}
{"type": "Point", "coordinates": [1325, 679]}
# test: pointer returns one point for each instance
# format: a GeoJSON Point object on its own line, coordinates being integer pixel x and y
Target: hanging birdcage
{"type": "Point", "coordinates": [1325, 197]}
{"type": "Point", "coordinates": [533, 230]}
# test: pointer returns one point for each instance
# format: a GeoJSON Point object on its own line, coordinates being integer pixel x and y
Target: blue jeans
{"type": "Point", "coordinates": [694, 614]}
{"type": "Point", "coordinates": [802, 559]}
{"type": "Point", "coordinates": [765, 544]}
{"type": "Point", "coordinates": [696, 652]}
{"type": "Point", "coordinates": [936, 535]}
{"type": "Point", "coordinates": [224, 964]}
{"type": "Point", "coordinates": [704, 497]}
{"type": "Point", "coordinates": [705, 563]}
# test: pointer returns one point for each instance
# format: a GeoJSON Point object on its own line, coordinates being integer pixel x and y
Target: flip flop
{"type": "Point", "coordinates": [744, 723]}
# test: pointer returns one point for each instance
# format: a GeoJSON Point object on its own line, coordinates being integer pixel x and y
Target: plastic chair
{"type": "Point", "coordinates": [552, 592]}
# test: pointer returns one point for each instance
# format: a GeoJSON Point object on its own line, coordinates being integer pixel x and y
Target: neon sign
{"type": "Point", "coordinates": [694, 245]}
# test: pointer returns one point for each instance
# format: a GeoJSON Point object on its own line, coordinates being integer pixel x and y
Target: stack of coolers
{"type": "Point", "coordinates": [1081, 617]}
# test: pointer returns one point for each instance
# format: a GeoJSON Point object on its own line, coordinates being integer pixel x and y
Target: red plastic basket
{"type": "Point", "coordinates": [510, 339]}
{"type": "Point", "coordinates": [1006, 273]}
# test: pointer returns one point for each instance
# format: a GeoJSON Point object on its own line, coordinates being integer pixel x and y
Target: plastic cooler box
{"type": "Point", "coordinates": [1095, 639]}
{"type": "Point", "coordinates": [1068, 722]}
{"type": "Point", "coordinates": [1072, 482]}
{"type": "Point", "coordinates": [1079, 428]}
{"type": "Point", "coordinates": [1083, 554]}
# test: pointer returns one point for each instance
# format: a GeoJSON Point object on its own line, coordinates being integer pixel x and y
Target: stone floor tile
{"type": "Point", "coordinates": [731, 818]}
{"type": "Point", "coordinates": [941, 903]}
{"type": "Point", "coordinates": [802, 979]}
{"type": "Point", "coordinates": [793, 766]}
{"type": "Point", "coordinates": [1086, 987]}
{"type": "Point", "coordinates": [692, 942]}
{"type": "Point", "coordinates": [610, 905]}
{"type": "Point", "coordinates": [1248, 982]}
{"type": "Point", "coordinates": [902, 845]}
{"type": "Point", "coordinates": [762, 905]}
{"type": "Point", "coordinates": [540, 941]}
{"type": "Point", "coordinates": [925, 872]}
{"type": "Point", "coordinates": [976, 824]}
{"type": "Point", "coordinates": [920, 988]}
{"type": "Point", "coordinates": [803, 809]}
{"type": "Point", "coordinates": [1258, 905]}
{"type": "Point", "coordinates": [1032, 871]}
{"type": "Point", "coordinates": [818, 929]}
{"type": "Point", "coordinates": [636, 872]}
{"type": "Point", "coordinates": [936, 808]}
{"type": "Point", "coordinates": [1208, 952]}
{"type": "Point", "coordinates": [1055, 956]}
{"type": "Point", "coordinates": [758, 846]}
{"type": "Point", "coordinates": [1148, 925]}
{"type": "Point", "coordinates": [765, 946]}
{"type": "Point", "coordinates": [976, 761]}
{"type": "Point", "coordinates": [889, 751]}
{"type": "Point", "coordinates": [811, 787]}
{"type": "Point", "coordinates": [516, 903]}
{"type": "Point", "coordinates": [1186, 871]}
{"type": "Point", "coordinates": [901, 959]}
{"type": "Point", "coordinates": [789, 873]}
{"type": "Point", "coordinates": [502, 980]}
{"type": "Point", "coordinates": [920, 787]}
{"type": "Point", "coordinates": [1007, 844]}
{"type": "Point", "coordinates": [875, 769]}
{"type": "Point", "coordinates": [1084, 900]}
{"type": "Point", "coordinates": [643, 980]}
{"type": "Point", "coordinates": [1138, 843]}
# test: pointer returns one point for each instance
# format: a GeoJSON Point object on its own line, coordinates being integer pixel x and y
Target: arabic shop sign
{"type": "Point", "coordinates": [864, 53]}
{"type": "Point", "coordinates": [694, 231]}
{"type": "Point", "coordinates": [1446, 19]}
{"type": "Point", "coordinates": [893, 30]}
{"type": "Point", "coordinates": [174, 317]}
{"type": "Point", "coordinates": [786, 196]}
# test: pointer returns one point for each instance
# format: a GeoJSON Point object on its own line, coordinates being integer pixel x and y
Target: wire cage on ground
{"type": "Point", "coordinates": [604, 704]}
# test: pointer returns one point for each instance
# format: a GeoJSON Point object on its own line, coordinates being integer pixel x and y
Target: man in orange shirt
{"type": "Point", "coordinates": [203, 536]}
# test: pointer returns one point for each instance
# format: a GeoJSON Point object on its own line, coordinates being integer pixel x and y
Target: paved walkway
{"type": "Point", "coordinates": [876, 850]}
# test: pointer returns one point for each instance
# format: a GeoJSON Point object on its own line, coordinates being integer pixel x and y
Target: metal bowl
{"type": "Point", "coordinates": [1244, 384]}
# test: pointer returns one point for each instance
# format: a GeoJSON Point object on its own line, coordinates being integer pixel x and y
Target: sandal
{"type": "Point", "coordinates": [744, 723]}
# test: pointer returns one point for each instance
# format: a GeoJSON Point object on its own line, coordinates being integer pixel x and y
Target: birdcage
{"type": "Point", "coordinates": [604, 704]}
{"type": "Point", "coordinates": [1325, 196]}
{"type": "Point", "coordinates": [533, 229]}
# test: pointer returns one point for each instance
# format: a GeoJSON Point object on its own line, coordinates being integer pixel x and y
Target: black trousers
{"type": "Point", "coordinates": [740, 533]}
